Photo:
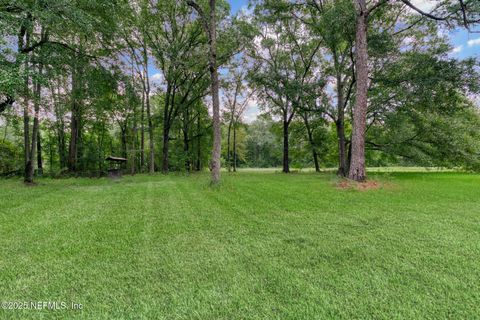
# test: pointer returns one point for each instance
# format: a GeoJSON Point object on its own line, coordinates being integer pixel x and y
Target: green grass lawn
{"type": "Point", "coordinates": [262, 246]}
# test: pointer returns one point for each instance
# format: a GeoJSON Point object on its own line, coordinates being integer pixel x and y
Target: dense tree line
{"type": "Point", "coordinates": [167, 85]}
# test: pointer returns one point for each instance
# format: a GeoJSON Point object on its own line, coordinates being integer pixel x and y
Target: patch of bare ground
{"type": "Point", "coordinates": [364, 186]}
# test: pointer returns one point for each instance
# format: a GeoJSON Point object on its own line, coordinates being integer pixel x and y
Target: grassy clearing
{"type": "Point", "coordinates": [334, 170]}
{"type": "Point", "coordinates": [262, 246]}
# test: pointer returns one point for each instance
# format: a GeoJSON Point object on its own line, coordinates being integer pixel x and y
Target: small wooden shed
{"type": "Point", "coordinates": [115, 167]}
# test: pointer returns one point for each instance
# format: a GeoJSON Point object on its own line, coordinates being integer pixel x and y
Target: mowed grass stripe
{"type": "Point", "coordinates": [260, 246]}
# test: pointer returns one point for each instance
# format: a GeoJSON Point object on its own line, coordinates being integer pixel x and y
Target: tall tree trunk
{"type": "Point", "coordinates": [315, 160]}
{"type": "Point", "coordinates": [26, 123]}
{"type": "Point", "coordinates": [30, 166]}
{"type": "Point", "coordinates": [123, 130]}
{"type": "Point", "coordinates": [286, 162]}
{"type": "Point", "coordinates": [186, 149]}
{"type": "Point", "coordinates": [75, 122]}
{"type": "Point", "coordinates": [211, 29]}
{"type": "Point", "coordinates": [199, 150]}
{"type": "Point", "coordinates": [74, 137]}
{"type": "Point", "coordinates": [166, 128]}
{"type": "Point", "coordinates": [340, 126]}
{"type": "Point", "coordinates": [233, 121]}
{"type": "Point", "coordinates": [61, 144]}
{"type": "Point", "coordinates": [151, 162]}
{"type": "Point", "coordinates": [60, 129]}
{"type": "Point", "coordinates": [186, 140]}
{"type": "Point", "coordinates": [142, 133]}
{"type": "Point", "coordinates": [134, 145]}
{"type": "Point", "coordinates": [133, 107]}
{"type": "Point", "coordinates": [165, 164]}
{"type": "Point", "coordinates": [349, 153]}
{"type": "Point", "coordinates": [51, 152]}
{"type": "Point", "coordinates": [100, 139]}
{"type": "Point", "coordinates": [26, 132]}
{"type": "Point", "coordinates": [229, 164]}
{"type": "Point", "coordinates": [235, 147]}
{"type": "Point", "coordinates": [217, 137]}
{"type": "Point", "coordinates": [357, 165]}
{"type": "Point", "coordinates": [24, 39]}
{"type": "Point", "coordinates": [342, 154]}
{"type": "Point", "coordinates": [312, 143]}
{"type": "Point", "coordinates": [39, 153]}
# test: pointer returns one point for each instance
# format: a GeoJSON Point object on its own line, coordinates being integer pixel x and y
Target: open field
{"type": "Point", "coordinates": [260, 246]}
{"type": "Point", "coordinates": [334, 170]}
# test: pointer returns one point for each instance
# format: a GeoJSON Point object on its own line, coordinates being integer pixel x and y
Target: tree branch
{"type": "Point", "coordinates": [200, 12]}
{"type": "Point", "coordinates": [376, 6]}
{"type": "Point", "coordinates": [423, 13]}
{"type": "Point", "coordinates": [6, 103]}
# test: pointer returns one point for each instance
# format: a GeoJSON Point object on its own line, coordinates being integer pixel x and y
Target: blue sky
{"type": "Point", "coordinates": [465, 44]}
{"type": "Point", "coordinates": [237, 4]}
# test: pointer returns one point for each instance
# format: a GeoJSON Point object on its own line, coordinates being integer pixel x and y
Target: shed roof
{"type": "Point", "coordinates": [118, 159]}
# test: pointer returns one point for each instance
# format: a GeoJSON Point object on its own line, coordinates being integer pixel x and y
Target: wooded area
{"type": "Point", "coordinates": [239, 159]}
{"type": "Point", "coordinates": [168, 85]}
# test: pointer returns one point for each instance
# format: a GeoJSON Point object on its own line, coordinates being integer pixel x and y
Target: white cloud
{"type": "Point", "coordinates": [457, 49]}
{"type": "Point", "coordinates": [245, 12]}
{"type": "Point", "coordinates": [252, 111]}
{"type": "Point", "coordinates": [156, 81]}
{"type": "Point", "coordinates": [424, 5]}
{"type": "Point", "coordinates": [474, 42]}
{"type": "Point", "coordinates": [157, 77]}
{"type": "Point", "coordinates": [408, 40]}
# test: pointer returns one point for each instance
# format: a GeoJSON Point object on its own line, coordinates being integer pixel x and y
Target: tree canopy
{"type": "Point", "coordinates": [175, 86]}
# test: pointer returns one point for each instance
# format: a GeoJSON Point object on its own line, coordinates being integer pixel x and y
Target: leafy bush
{"type": "Point", "coordinates": [10, 158]}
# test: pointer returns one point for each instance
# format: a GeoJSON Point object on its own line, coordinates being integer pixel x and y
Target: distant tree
{"type": "Point", "coordinates": [236, 99]}
{"type": "Point", "coordinates": [285, 72]}
{"type": "Point", "coordinates": [263, 146]}
{"type": "Point", "coordinates": [332, 22]}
